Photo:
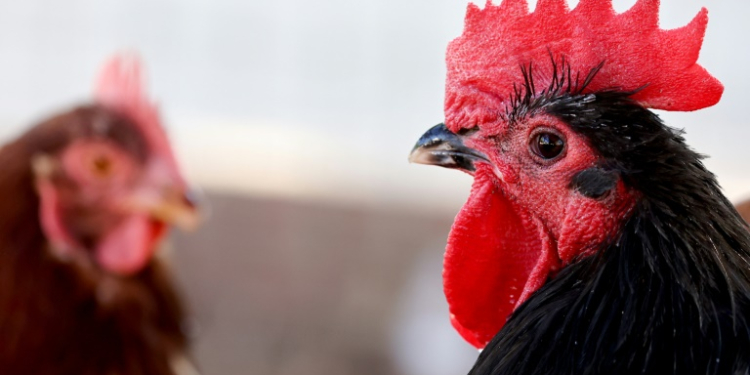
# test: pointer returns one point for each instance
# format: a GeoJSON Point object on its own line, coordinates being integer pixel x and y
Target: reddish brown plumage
{"type": "Point", "coordinates": [70, 316]}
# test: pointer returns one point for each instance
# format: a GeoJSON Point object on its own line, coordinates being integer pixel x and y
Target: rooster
{"type": "Point", "coordinates": [87, 197]}
{"type": "Point", "coordinates": [594, 240]}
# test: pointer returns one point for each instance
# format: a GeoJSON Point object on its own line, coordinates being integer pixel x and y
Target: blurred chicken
{"type": "Point", "coordinates": [87, 197]}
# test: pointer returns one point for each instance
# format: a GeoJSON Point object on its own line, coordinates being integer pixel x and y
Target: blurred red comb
{"type": "Point", "coordinates": [120, 88]}
{"type": "Point", "coordinates": [120, 82]}
{"type": "Point", "coordinates": [485, 61]}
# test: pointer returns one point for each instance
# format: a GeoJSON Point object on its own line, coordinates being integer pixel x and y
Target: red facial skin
{"type": "Point", "coordinates": [522, 222]}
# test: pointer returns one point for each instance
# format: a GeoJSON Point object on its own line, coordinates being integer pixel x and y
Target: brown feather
{"type": "Point", "coordinates": [59, 317]}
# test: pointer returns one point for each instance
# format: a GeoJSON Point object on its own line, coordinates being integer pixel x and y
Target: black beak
{"type": "Point", "coordinates": [441, 147]}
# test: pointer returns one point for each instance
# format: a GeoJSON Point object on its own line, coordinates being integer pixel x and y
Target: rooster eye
{"type": "Point", "coordinates": [547, 145]}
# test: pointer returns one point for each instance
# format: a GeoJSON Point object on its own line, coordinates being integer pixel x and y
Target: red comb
{"type": "Point", "coordinates": [120, 87]}
{"type": "Point", "coordinates": [485, 61]}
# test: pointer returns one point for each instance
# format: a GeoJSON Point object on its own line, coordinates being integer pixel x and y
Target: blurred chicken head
{"type": "Point", "coordinates": [107, 179]}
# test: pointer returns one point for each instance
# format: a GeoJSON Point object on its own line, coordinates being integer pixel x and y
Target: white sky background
{"type": "Point", "coordinates": [313, 99]}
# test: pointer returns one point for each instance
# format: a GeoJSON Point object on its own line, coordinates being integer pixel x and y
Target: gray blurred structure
{"type": "Point", "coordinates": [284, 288]}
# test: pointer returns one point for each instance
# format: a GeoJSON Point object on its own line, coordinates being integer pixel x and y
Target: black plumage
{"type": "Point", "coordinates": [668, 294]}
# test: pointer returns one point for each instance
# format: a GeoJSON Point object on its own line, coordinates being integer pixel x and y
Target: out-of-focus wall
{"type": "Point", "coordinates": [289, 288]}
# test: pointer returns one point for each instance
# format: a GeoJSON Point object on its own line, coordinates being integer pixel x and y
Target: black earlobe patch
{"type": "Point", "coordinates": [594, 182]}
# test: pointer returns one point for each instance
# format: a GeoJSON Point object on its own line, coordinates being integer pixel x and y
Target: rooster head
{"type": "Point", "coordinates": [528, 98]}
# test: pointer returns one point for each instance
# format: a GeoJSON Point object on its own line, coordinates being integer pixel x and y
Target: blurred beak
{"type": "Point", "coordinates": [178, 207]}
{"type": "Point", "coordinates": [440, 146]}
{"type": "Point", "coordinates": [180, 210]}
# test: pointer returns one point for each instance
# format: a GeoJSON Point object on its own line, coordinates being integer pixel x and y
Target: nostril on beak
{"type": "Point", "coordinates": [442, 147]}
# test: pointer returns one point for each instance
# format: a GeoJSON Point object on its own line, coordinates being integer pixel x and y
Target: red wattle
{"type": "Point", "coordinates": [495, 259]}
{"type": "Point", "coordinates": [128, 247]}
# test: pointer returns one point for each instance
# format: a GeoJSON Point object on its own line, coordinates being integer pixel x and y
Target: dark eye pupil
{"type": "Point", "coordinates": [549, 145]}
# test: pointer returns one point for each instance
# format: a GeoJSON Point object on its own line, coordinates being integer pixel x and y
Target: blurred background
{"type": "Point", "coordinates": [323, 247]}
